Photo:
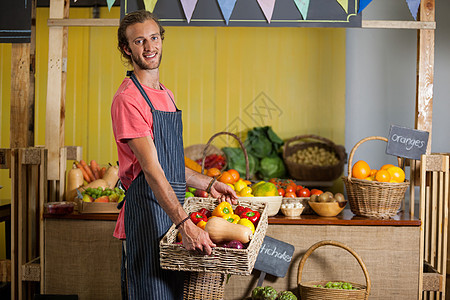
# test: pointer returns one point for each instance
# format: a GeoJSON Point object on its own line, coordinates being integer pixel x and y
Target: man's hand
{"type": "Point", "coordinates": [223, 192]}
{"type": "Point", "coordinates": [195, 238]}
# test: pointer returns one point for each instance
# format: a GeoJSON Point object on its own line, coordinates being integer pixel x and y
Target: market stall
{"type": "Point", "coordinates": [352, 230]}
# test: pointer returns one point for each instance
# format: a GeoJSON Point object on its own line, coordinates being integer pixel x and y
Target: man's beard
{"type": "Point", "coordinates": [143, 65]}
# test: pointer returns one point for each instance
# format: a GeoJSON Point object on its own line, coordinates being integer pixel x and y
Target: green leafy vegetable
{"type": "Point", "coordinates": [272, 167]}
{"type": "Point", "coordinates": [236, 160]}
{"type": "Point", "coordinates": [286, 295]}
{"type": "Point", "coordinates": [262, 142]}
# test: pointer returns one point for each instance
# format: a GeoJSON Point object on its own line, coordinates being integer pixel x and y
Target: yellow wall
{"type": "Point", "coordinates": [223, 79]}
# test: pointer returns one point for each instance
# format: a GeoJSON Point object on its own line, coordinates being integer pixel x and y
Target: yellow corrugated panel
{"type": "Point", "coordinates": [231, 79]}
{"type": "Point", "coordinates": [5, 109]}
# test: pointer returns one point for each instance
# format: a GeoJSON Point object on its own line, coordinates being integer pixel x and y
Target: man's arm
{"type": "Point", "coordinates": [194, 238]}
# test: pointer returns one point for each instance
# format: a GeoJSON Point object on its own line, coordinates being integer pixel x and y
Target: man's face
{"type": "Point", "coordinates": [145, 45]}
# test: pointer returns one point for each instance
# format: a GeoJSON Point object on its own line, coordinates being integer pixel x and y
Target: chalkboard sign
{"type": "Point", "coordinates": [274, 257]}
{"type": "Point", "coordinates": [407, 142]}
{"type": "Point", "coordinates": [321, 13]}
{"type": "Point", "coordinates": [15, 21]}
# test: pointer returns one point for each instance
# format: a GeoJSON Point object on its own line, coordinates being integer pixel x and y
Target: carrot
{"type": "Point", "coordinates": [102, 172]}
{"type": "Point", "coordinates": [85, 175]}
{"type": "Point", "coordinates": [95, 169]}
{"type": "Point", "coordinates": [88, 170]}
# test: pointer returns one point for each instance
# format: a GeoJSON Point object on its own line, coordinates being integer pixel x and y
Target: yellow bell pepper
{"type": "Point", "coordinates": [248, 223]}
{"type": "Point", "coordinates": [201, 224]}
{"type": "Point", "coordinates": [232, 218]}
{"type": "Point", "coordinates": [222, 209]}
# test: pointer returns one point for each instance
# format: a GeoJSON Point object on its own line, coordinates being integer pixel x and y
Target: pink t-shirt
{"type": "Point", "coordinates": [132, 118]}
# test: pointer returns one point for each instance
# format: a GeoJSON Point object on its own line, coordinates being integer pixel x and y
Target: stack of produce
{"type": "Point", "coordinates": [93, 181]}
{"type": "Point", "coordinates": [387, 173]}
{"type": "Point", "coordinates": [227, 228]}
{"type": "Point", "coordinates": [263, 151]}
{"type": "Point", "coordinates": [269, 293]}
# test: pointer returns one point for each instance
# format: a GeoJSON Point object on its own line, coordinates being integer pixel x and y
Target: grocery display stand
{"type": "Point", "coordinates": [57, 155]}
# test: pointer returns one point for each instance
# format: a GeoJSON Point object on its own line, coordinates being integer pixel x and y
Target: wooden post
{"type": "Point", "coordinates": [425, 70]}
{"type": "Point", "coordinates": [56, 82]}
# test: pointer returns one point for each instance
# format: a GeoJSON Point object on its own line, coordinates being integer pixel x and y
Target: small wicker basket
{"type": "Point", "coordinates": [372, 198]}
{"type": "Point", "coordinates": [200, 151]}
{"type": "Point", "coordinates": [204, 286]}
{"type": "Point", "coordinates": [308, 290]}
{"type": "Point", "coordinates": [305, 172]}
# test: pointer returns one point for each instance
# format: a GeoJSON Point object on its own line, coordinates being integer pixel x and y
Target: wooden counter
{"type": "Point", "coordinates": [82, 257]}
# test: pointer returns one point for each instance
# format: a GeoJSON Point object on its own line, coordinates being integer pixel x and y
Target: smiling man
{"type": "Point", "coordinates": [148, 131]}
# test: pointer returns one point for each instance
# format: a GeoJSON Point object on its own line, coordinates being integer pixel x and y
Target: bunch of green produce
{"type": "Point", "coordinates": [269, 293]}
{"type": "Point", "coordinates": [314, 156]}
{"type": "Point", "coordinates": [337, 285]}
{"type": "Point", "coordinates": [101, 194]}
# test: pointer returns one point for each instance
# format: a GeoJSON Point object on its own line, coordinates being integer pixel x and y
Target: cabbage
{"type": "Point", "coordinates": [272, 167]}
{"type": "Point", "coordinates": [236, 160]}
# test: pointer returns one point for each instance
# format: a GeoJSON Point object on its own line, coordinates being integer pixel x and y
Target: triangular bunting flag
{"type": "Point", "coordinates": [303, 6]}
{"type": "Point", "coordinates": [226, 6]}
{"type": "Point", "coordinates": [188, 7]}
{"type": "Point", "coordinates": [344, 4]}
{"type": "Point", "coordinates": [363, 4]}
{"type": "Point", "coordinates": [150, 5]}
{"type": "Point", "coordinates": [413, 7]}
{"type": "Point", "coordinates": [267, 8]}
{"type": "Point", "coordinates": [110, 3]}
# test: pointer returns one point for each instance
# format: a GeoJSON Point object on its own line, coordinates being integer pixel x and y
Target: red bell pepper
{"type": "Point", "coordinates": [206, 212]}
{"type": "Point", "coordinates": [239, 209]}
{"type": "Point", "coordinates": [252, 215]}
{"type": "Point", "coordinates": [197, 217]}
{"type": "Point", "coordinates": [245, 209]}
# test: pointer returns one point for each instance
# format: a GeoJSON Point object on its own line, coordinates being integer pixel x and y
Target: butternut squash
{"type": "Point", "coordinates": [220, 230]}
{"type": "Point", "coordinates": [75, 179]}
{"type": "Point", "coordinates": [111, 176]}
{"type": "Point", "coordinates": [94, 184]}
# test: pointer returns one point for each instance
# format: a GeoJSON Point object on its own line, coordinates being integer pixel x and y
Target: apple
{"type": "Point", "coordinates": [201, 193]}
{"type": "Point", "coordinates": [121, 198]}
{"type": "Point", "coordinates": [188, 194]}
{"type": "Point", "coordinates": [102, 199]}
{"type": "Point", "coordinates": [191, 189]}
{"type": "Point", "coordinates": [87, 198]}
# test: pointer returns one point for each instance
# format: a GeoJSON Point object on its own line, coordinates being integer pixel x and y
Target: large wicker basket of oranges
{"type": "Point", "coordinates": [372, 193]}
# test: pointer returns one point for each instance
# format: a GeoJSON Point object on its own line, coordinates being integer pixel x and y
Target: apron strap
{"type": "Point", "coordinates": [143, 93]}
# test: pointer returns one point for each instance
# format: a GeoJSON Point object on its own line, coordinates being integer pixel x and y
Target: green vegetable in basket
{"type": "Point", "coordinates": [257, 293]}
{"type": "Point", "coordinates": [272, 167]}
{"type": "Point", "coordinates": [262, 142]}
{"type": "Point", "coordinates": [236, 160]}
{"type": "Point", "coordinates": [269, 293]}
{"type": "Point", "coordinates": [286, 295]}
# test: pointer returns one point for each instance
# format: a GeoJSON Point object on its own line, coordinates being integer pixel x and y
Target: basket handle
{"type": "Point", "coordinates": [370, 138]}
{"type": "Point", "coordinates": [308, 136]}
{"type": "Point", "coordinates": [337, 244]}
{"type": "Point", "coordinates": [240, 143]}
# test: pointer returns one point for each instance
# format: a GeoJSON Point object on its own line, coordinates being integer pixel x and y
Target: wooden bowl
{"type": "Point", "coordinates": [327, 209]}
{"type": "Point", "coordinates": [273, 203]}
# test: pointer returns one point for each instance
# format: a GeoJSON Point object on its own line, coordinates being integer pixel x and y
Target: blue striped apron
{"type": "Point", "coordinates": [145, 221]}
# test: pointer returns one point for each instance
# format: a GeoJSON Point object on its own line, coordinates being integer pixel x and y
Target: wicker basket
{"type": "Point", "coordinates": [308, 291]}
{"type": "Point", "coordinates": [373, 198]}
{"type": "Point", "coordinates": [204, 286]}
{"type": "Point", "coordinates": [200, 151]}
{"type": "Point", "coordinates": [222, 260]}
{"type": "Point", "coordinates": [310, 172]}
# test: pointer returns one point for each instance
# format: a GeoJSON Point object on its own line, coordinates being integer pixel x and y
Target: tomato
{"type": "Point", "coordinates": [273, 180]}
{"type": "Point", "coordinates": [281, 192]}
{"type": "Point", "coordinates": [304, 192]}
{"type": "Point", "coordinates": [290, 189]}
{"type": "Point", "coordinates": [298, 188]}
{"type": "Point", "coordinates": [316, 192]}
{"type": "Point", "coordinates": [290, 195]}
